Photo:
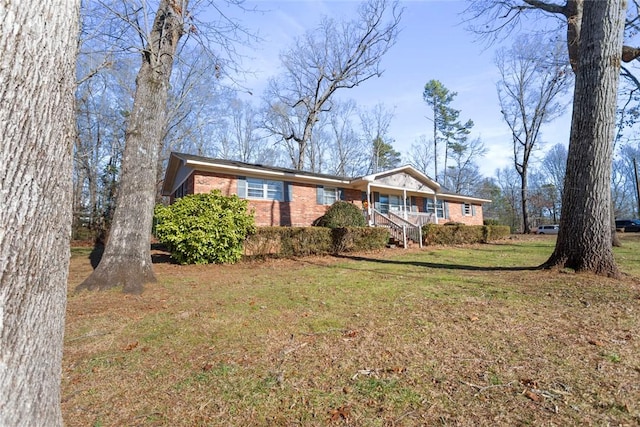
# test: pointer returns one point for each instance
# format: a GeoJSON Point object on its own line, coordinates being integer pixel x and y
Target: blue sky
{"type": "Point", "coordinates": [433, 44]}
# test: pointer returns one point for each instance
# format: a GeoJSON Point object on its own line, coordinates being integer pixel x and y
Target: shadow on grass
{"type": "Point", "coordinates": [161, 256]}
{"type": "Point", "coordinates": [438, 264]}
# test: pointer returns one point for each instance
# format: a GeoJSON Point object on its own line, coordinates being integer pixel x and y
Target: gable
{"type": "Point", "coordinates": [403, 180]}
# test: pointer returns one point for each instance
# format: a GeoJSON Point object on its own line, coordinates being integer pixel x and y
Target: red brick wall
{"type": "Point", "coordinates": [455, 214]}
{"type": "Point", "coordinates": [301, 212]}
{"type": "Point", "coordinates": [204, 182]}
{"type": "Point", "coordinates": [304, 209]}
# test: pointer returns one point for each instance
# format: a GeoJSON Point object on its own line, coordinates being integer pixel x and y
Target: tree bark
{"type": "Point", "coordinates": [584, 240]}
{"type": "Point", "coordinates": [37, 71]}
{"type": "Point", "coordinates": [524, 197]}
{"type": "Point", "coordinates": [126, 261]}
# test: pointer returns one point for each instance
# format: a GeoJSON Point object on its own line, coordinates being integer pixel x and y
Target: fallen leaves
{"type": "Point", "coordinates": [533, 396]}
{"type": "Point", "coordinates": [377, 372]}
{"type": "Point", "coordinates": [131, 346]}
{"type": "Point", "coordinates": [340, 413]}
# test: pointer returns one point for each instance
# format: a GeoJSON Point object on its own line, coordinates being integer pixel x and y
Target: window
{"type": "Point", "coordinates": [264, 189]}
{"type": "Point", "coordinates": [328, 195]}
{"type": "Point", "coordinates": [395, 203]}
{"type": "Point", "coordinates": [437, 208]}
{"type": "Point", "coordinates": [386, 203]}
{"type": "Point", "coordinates": [467, 210]}
{"type": "Point", "coordinates": [331, 195]}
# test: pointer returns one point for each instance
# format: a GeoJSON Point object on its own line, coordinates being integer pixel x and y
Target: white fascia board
{"type": "Point", "coordinates": [462, 198]}
{"type": "Point", "coordinates": [408, 190]}
{"type": "Point", "coordinates": [268, 173]}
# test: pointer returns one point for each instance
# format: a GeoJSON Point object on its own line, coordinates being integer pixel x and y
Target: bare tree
{"type": "Point", "coordinates": [196, 105]}
{"type": "Point", "coordinates": [421, 156]}
{"type": "Point", "coordinates": [554, 167]}
{"type": "Point", "coordinates": [493, 19]}
{"type": "Point", "coordinates": [103, 101]}
{"type": "Point", "coordinates": [464, 175]}
{"type": "Point", "coordinates": [37, 71]}
{"type": "Point", "coordinates": [375, 124]}
{"type": "Point", "coordinates": [584, 240]}
{"type": "Point", "coordinates": [534, 76]}
{"type": "Point", "coordinates": [625, 184]}
{"type": "Point", "coordinates": [337, 55]}
{"type": "Point", "coordinates": [507, 179]}
{"type": "Point", "coordinates": [127, 260]}
{"type": "Point", "coordinates": [319, 144]}
{"type": "Point", "coordinates": [348, 152]}
{"type": "Point", "coordinates": [245, 124]}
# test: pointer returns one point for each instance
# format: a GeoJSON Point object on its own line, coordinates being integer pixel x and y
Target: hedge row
{"type": "Point", "coordinates": [301, 241]}
{"type": "Point", "coordinates": [435, 234]}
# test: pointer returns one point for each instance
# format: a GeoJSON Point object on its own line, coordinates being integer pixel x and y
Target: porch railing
{"type": "Point", "coordinates": [411, 230]}
{"type": "Point", "coordinates": [399, 228]}
{"type": "Point", "coordinates": [420, 218]}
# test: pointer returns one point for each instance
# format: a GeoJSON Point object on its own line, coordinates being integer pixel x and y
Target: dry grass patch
{"type": "Point", "coordinates": [442, 336]}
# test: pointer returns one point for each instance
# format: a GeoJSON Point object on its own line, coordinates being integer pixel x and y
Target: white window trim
{"type": "Point", "coordinates": [332, 190]}
{"type": "Point", "coordinates": [265, 189]}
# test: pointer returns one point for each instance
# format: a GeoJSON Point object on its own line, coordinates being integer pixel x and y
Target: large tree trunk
{"type": "Point", "coordinates": [37, 71]}
{"type": "Point", "coordinates": [584, 240]}
{"type": "Point", "coordinates": [126, 260]}
{"type": "Point", "coordinates": [526, 229]}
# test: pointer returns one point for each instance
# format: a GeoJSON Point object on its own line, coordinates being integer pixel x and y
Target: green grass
{"type": "Point", "coordinates": [459, 336]}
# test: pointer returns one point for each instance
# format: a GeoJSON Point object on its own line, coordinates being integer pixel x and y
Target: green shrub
{"type": "Point", "coordinates": [342, 214]}
{"type": "Point", "coordinates": [351, 239]}
{"type": "Point", "coordinates": [497, 232]}
{"type": "Point", "coordinates": [456, 234]}
{"type": "Point", "coordinates": [288, 241]}
{"type": "Point", "coordinates": [490, 221]}
{"type": "Point", "coordinates": [303, 241]}
{"type": "Point", "coordinates": [204, 228]}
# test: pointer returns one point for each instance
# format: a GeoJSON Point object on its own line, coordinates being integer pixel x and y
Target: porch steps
{"type": "Point", "coordinates": [395, 243]}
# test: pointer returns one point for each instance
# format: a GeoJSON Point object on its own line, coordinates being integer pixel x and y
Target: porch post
{"type": "Point", "coordinates": [369, 203]}
{"type": "Point", "coordinates": [404, 202]}
{"type": "Point", "coordinates": [435, 207]}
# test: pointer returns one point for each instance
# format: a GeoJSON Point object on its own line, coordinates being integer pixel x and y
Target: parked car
{"type": "Point", "coordinates": [548, 229]}
{"type": "Point", "coordinates": [628, 225]}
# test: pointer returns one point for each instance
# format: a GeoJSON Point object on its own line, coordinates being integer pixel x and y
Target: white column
{"type": "Point", "coordinates": [369, 203]}
{"type": "Point", "coordinates": [435, 207]}
{"type": "Point", "coordinates": [404, 202]}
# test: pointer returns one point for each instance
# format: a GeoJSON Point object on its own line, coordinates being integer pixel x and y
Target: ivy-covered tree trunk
{"type": "Point", "coordinates": [584, 240]}
{"type": "Point", "coordinates": [126, 260]}
{"type": "Point", "coordinates": [37, 74]}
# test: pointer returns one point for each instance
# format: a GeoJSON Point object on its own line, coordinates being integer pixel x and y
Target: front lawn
{"type": "Point", "coordinates": [440, 336]}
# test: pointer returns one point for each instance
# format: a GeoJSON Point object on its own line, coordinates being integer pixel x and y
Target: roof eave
{"type": "Point", "coordinates": [217, 167]}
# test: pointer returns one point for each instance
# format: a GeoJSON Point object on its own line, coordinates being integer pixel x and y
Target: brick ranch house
{"type": "Point", "coordinates": [400, 198]}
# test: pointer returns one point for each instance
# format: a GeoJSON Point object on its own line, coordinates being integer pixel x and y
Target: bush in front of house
{"type": "Point", "coordinates": [496, 232]}
{"type": "Point", "coordinates": [457, 234]}
{"type": "Point", "coordinates": [352, 239]}
{"type": "Point", "coordinates": [342, 214]}
{"type": "Point", "coordinates": [288, 242]}
{"type": "Point", "coordinates": [204, 228]}
{"type": "Point", "coordinates": [304, 241]}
